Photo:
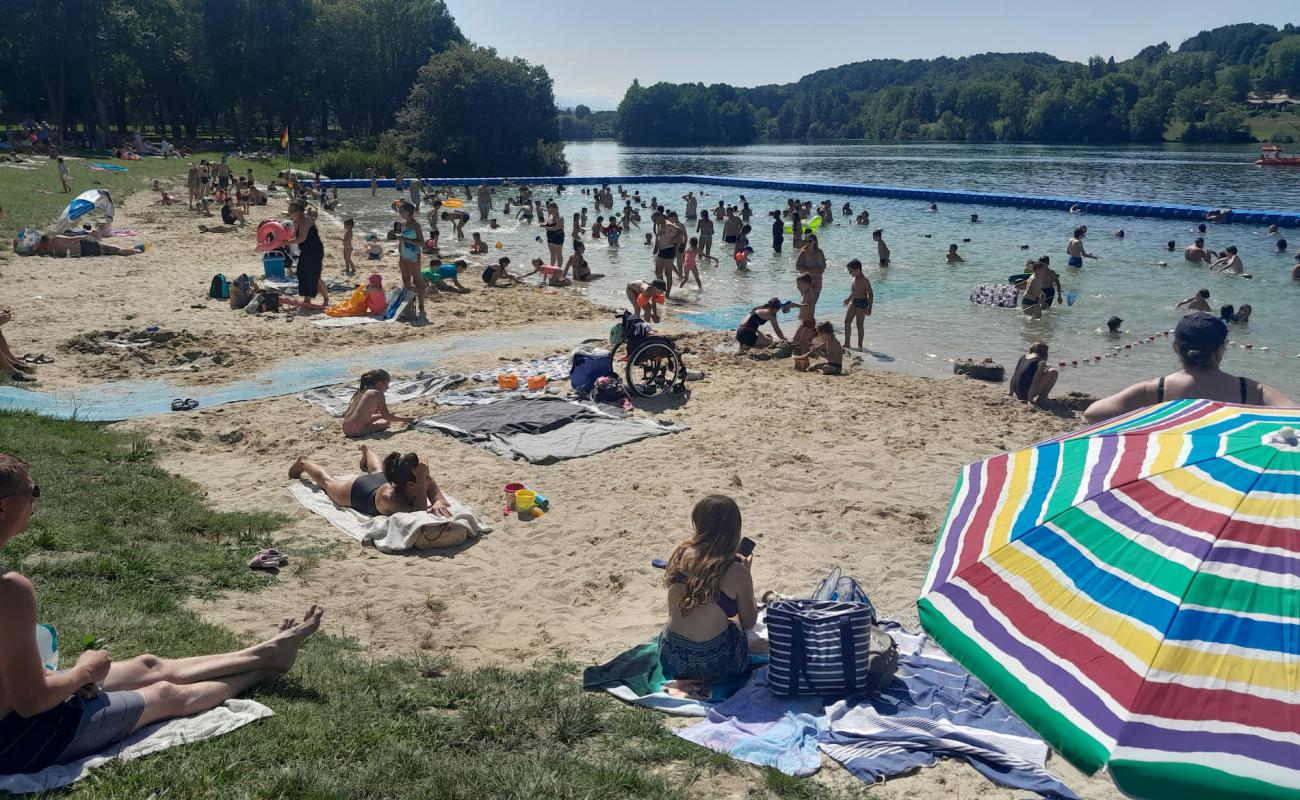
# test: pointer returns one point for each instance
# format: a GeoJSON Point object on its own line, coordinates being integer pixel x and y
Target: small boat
{"type": "Point", "coordinates": [1270, 155]}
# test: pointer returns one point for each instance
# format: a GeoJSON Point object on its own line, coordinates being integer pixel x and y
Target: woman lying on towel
{"type": "Point", "coordinates": [56, 717]}
{"type": "Point", "coordinates": [399, 483]}
{"type": "Point", "coordinates": [708, 585]}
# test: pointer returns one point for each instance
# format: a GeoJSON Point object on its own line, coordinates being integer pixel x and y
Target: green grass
{"type": "Point", "coordinates": [117, 545]}
{"type": "Point", "coordinates": [1264, 124]}
{"type": "Point", "coordinates": [33, 198]}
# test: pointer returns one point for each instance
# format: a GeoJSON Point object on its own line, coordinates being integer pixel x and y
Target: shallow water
{"type": "Point", "coordinates": [923, 318]}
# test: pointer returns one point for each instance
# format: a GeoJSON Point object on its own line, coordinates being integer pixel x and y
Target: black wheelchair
{"type": "Point", "coordinates": [654, 367]}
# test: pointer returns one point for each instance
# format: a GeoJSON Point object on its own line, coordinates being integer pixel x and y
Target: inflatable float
{"type": "Point", "coordinates": [273, 234]}
{"type": "Point", "coordinates": [997, 295]}
{"type": "Point", "coordinates": [808, 227]}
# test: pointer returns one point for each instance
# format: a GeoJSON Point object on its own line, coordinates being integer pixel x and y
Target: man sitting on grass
{"type": "Point", "coordinates": [49, 718]}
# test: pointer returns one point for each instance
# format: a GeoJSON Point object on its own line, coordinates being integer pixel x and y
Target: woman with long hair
{"type": "Point", "coordinates": [554, 233]}
{"type": "Point", "coordinates": [811, 261]}
{"type": "Point", "coordinates": [394, 484]}
{"type": "Point", "coordinates": [1200, 341]}
{"type": "Point", "coordinates": [311, 253]}
{"type": "Point", "coordinates": [408, 260]}
{"type": "Point", "coordinates": [709, 585]}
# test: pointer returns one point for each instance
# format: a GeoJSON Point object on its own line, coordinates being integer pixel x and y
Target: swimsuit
{"type": "Point", "coordinates": [1160, 389]}
{"type": "Point", "coordinates": [1075, 261]}
{"type": "Point", "coordinates": [227, 215]}
{"type": "Point", "coordinates": [555, 237]}
{"type": "Point", "coordinates": [410, 247]}
{"type": "Point", "coordinates": [861, 302]}
{"type": "Point", "coordinates": [91, 247]}
{"type": "Point", "coordinates": [71, 730]}
{"type": "Point", "coordinates": [1023, 376]}
{"type": "Point", "coordinates": [667, 253]}
{"type": "Point", "coordinates": [364, 491]}
{"type": "Point", "coordinates": [311, 261]}
{"type": "Point", "coordinates": [747, 333]}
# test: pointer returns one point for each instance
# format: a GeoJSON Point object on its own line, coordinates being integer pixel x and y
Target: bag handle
{"type": "Point", "coordinates": [848, 655]}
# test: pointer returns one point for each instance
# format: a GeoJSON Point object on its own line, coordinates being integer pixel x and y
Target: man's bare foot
{"type": "Point", "coordinates": [281, 651]}
{"type": "Point", "coordinates": [295, 472]}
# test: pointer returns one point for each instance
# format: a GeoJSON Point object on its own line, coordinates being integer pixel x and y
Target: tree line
{"type": "Point", "coordinates": [351, 69]}
{"type": "Point", "coordinates": [1198, 90]}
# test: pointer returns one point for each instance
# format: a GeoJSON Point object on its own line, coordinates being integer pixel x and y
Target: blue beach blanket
{"type": "Point", "coordinates": [637, 677]}
{"type": "Point", "coordinates": [932, 709]}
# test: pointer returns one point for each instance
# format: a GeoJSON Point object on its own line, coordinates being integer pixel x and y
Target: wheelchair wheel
{"type": "Point", "coordinates": [653, 369]}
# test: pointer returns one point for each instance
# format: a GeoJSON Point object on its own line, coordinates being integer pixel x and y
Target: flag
{"type": "Point", "coordinates": [284, 138]}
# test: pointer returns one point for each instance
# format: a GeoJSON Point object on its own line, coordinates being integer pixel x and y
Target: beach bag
{"type": "Point", "coordinates": [586, 369]}
{"type": "Point", "coordinates": [220, 288]}
{"type": "Point", "coordinates": [836, 586]}
{"type": "Point", "coordinates": [827, 648]}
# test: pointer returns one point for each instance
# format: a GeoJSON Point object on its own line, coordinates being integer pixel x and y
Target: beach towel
{"type": "Point", "coordinates": [932, 709]}
{"type": "Point", "coordinates": [545, 430]}
{"type": "Point", "coordinates": [146, 741]}
{"type": "Point", "coordinates": [635, 676]}
{"type": "Point", "coordinates": [555, 368]}
{"type": "Point", "coordinates": [393, 534]}
{"type": "Point", "coordinates": [345, 322]}
{"type": "Point", "coordinates": [335, 399]}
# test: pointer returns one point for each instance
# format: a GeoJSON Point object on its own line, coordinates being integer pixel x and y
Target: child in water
{"type": "Point", "coordinates": [882, 249]}
{"type": "Point", "coordinates": [348, 267]}
{"type": "Point", "coordinates": [828, 347]}
{"type": "Point", "coordinates": [477, 246]}
{"type": "Point", "coordinates": [368, 412]}
{"type": "Point", "coordinates": [578, 263]}
{"type": "Point", "coordinates": [690, 262]}
{"type": "Point", "coordinates": [860, 300]}
{"type": "Point", "coordinates": [953, 258]}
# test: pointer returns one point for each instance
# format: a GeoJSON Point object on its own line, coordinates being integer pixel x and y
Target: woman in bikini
{"type": "Point", "coordinates": [709, 585]}
{"type": "Point", "coordinates": [554, 226]}
{"type": "Point", "coordinates": [392, 485]}
{"type": "Point", "coordinates": [368, 412]}
{"type": "Point", "coordinates": [1200, 341]}
{"type": "Point", "coordinates": [812, 262]}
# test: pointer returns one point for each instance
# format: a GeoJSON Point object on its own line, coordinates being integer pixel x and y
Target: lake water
{"type": "Point", "coordinates": [923, 318]}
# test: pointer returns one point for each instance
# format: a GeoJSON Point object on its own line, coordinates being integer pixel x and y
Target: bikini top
{"type": "Point", "coordinates": [1160, 389]}
{"type": "Point", "coordinates": [727, 604]}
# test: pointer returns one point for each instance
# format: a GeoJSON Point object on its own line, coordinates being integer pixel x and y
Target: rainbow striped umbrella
{"type": "Point", "coordinates": [1132, 592]}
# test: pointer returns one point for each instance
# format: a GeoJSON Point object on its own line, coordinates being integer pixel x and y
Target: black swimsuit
{"type": "Point", "coordinates": [1160, 390]}
{"type": "Point", "coordinates": [364, 491]}
{"type": "Point", "coordinates": [747, 333]}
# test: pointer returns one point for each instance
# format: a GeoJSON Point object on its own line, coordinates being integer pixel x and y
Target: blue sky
{"type": "Point", "coordinates": [594, 48]}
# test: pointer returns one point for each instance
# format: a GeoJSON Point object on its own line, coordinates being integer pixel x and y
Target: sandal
{"type": "Point", "coordinates": [268, 559]}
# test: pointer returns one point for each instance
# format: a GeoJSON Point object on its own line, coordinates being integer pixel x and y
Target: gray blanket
{"type": "Point", "coordinates": [544, 430]}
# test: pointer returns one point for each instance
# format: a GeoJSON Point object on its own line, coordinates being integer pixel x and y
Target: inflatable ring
{"type": "Point", "coordinates": [453, 202]}
{"type": "Point", "coordinates": [273, 234]}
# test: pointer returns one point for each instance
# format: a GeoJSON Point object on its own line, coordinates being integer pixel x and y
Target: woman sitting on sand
{"type": "Point", "coordinates": [50, 717]}
{"type": "Point", "coordinates": [397, 484]}
{"type": "Point", "coordinates": [748, 333]}
{"type": "Point", "coordinates": [10, 364]}
{"type": "Point", "coordinates": [368, 412]}
{"type": "Point", "coordinates": [1200, 341]}
{"type": "Point", "coordinates": [709, 585]}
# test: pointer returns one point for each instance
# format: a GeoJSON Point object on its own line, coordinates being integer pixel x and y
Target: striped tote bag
{"type": "Point", "coordinates": [829, 648]}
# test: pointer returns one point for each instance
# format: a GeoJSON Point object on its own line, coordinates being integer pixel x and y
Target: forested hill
{"type": "Point", "coordinates": [1198, 92]}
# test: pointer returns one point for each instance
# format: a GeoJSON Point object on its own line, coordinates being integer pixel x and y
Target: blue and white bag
{"type": "Point", "coordinates": [828, 648]}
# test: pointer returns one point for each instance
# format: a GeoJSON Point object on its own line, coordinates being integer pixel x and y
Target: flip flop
{"type": "Point", "coordinates": [178, 404]}
{"type": "Point", "coordinates": [189, 404]}
{"type": "Point", "coordinates": [43, 359]}
{"type": "Point", "coordinates": [268, 559]}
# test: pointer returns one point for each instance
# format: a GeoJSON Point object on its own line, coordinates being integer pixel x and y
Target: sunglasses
{"type": "Point", "coordinates": [35, 493]}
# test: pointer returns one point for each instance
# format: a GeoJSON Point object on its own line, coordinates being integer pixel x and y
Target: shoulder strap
{"type": "Point", "coordinates": [1160, 389]}
{"type": "Point", "coordinates": [1242, 381]}
{"type": "Point", "coordinates": [796, 651]}
{"type": "Point", "coordinates": [848, 655]}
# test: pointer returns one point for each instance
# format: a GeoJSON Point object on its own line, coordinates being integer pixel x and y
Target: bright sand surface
{"type": "Point", "coordinates": [855, 471]}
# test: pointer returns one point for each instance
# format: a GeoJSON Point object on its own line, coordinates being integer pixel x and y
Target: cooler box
{"type": "Point", "coordinates": [273, 265]}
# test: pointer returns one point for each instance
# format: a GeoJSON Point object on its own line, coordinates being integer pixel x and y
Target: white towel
{"type": "Point", "coordinates": [344, 322]}
{"type": "Point", "coordinates": [395, 534]}
{"type": "Point", "coordinates": [146, 741]}
{"type": "Point", "coordinates": [335, 399]}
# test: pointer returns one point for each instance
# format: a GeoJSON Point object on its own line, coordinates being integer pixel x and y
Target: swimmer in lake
{"type": "Point", "coordinates": [952, 256]}
{"type": "Point", "coordinates": [1074, 249]}
{"type": "Point", "coordinates": [1197, 302]}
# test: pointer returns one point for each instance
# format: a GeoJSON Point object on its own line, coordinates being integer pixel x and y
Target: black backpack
{"type": "Point", "coordinates": [220, 288]}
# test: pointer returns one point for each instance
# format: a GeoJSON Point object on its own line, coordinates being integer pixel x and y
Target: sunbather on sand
{"type": "Point", "coordinates": [79, 246]}
{"type": "Point", "coordinates": [709, 584]}
{"type": "Point", "coordinates": [55, 717]}
{"type": "Point", "coordinates": [368, 412]}
{"type": "Point", "coordinates": [395, 484]}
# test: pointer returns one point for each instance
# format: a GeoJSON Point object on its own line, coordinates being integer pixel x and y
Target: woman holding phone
{"type": "Point", "coordinates": [709, 586]}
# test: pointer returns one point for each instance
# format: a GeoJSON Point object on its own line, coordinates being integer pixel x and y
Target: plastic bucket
{"type": "Point", "coordinates": [801, 363]}
{"type": "Point", "coordinates": [510, 490]}
{"type": "Point", "coordinates": [536, 383]}
{"type": "Point", "coordinates": [509, 381]}
{"type": "Point", "coordinates": [525, 499]}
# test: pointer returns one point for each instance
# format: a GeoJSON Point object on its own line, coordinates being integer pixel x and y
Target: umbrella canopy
{"type": "Point", "coordinates": [1132, 592]}
{"type": "Point", "coordinates": [85, 203]}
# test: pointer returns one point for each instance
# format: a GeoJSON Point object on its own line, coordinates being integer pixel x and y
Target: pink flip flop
{"type": "Point", "coordinates": [268, 559]}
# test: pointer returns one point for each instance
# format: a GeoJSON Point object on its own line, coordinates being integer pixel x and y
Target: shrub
{"type": "Point", "coordinates": [353, 163]}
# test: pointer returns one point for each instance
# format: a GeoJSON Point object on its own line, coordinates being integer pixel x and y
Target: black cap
{"type": "Point", "coordinates": [1200, 331]}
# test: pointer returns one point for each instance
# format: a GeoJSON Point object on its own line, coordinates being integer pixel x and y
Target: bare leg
{"type": "Point", "coordinates": [370, 460]}
{"type": "Point", "coordinates": [171, 701]}
{"type": "Point", "coordinates": [276, 654]}
{"type": "Point", "coordinates": [848, 326]}
{"type": "Point", "coordinates": [862, 318]}
{"type": "Point", "coordinates": [338, 490]}
{"type": "Point", "coordinates": [1041, 387]}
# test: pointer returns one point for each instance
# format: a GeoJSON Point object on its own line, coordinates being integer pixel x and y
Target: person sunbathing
{"type": "Point", "coordinates": [79, 246]}
{"type": "Point", "coordinates": [1200, 341]}
{"type": "Point", "coordinates": [14, 366]}
{"type": "Point", "coordinates": [50, 717]}
{"type": "Point", "coordinates": [709, 584]}
{"type": "Point", "coordinates": [368, 412]}
{"type": "Point", "coordinates": [392, 485]}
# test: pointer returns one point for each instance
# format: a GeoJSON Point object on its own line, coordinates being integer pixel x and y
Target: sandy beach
{"type": "Point", "coordinates": [854, 471]}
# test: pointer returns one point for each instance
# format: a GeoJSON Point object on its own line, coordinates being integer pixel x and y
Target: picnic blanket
{"type": "Point", "coordinates": [146, 741]}
{"type": "Point", "coordinates": [544, 430]}
{"type": "Point", "coordinates": [932, 709]}
{"type": "Point", "coordinates": [636, 676]}
{"type": "Point", "coordinates": [393, 534]}
{"type": "Point", "coordinates": [335, 399]}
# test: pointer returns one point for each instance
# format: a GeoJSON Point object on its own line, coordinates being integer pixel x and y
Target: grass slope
{"type": "Point", "coordinates": [117, 545]}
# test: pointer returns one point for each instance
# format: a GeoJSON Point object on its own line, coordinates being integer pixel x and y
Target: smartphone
{"type": "Point", "coordinates": [746, 546]}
